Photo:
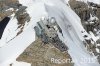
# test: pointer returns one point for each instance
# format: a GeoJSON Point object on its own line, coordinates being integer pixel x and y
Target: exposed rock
{"type": "Point", "coordinates": [93, 4]}
{"type": "Point", "coordinates": [22, 18]}
{"type": "Point", "coordinates": [81, 9]}
{"type": "Point", "coordinates": [4, 6]}
{"type": "Point", "coordinates": [40, 54]}
{"type": "Point", "coordinates": [85, 11]}
{"type": "Point", "coordinates": [98, 13]}
{"type": "Point", "coordinates": [8, 7]}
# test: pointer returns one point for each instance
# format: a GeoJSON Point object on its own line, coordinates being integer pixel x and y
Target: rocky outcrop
{"type": "Point", "coordinates": [5, 6]}
{"type": "Point", "coordinates": [89, 14]}
{"type": "Point", "coordinates": [86, 11]}
{"type": "Point", "coordinates": [81, 9]}
{"type": "Point", "coordinates": [98, 13]}
{"type": "Point", "coordinates": [40, 54]}
{"type": "Point", "coordinates": [9, 7]}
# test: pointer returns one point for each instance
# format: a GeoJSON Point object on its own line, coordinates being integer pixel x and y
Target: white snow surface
{"type": "Point", "coordinates": [69, 22]}
{"type": "Point", "coordinates": [16, 63]}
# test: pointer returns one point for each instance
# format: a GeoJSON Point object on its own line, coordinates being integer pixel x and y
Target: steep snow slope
{"type": "Point", "coordinates": [68, 21]}
{"type": "Point", "coordinates": [72, 35]}
{"type": "Point", "coordinates": [10, 32]}
{"type": "Point", "coordinates": [11, 50]}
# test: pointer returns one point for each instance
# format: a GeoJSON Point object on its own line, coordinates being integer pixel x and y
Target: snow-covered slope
{"type": "Point", "coordinates": [9, 51]}
{"type": "Point", "coordinates": [73, 35]}
{"type": "Point", "coordinates": [69, 22]}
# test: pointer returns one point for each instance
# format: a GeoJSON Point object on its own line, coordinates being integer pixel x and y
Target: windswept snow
{"type": "Point", "coordinates": [16, 63]}
{"type": "Point", "coordinates": [10, 31]}
{"type": "Point", "coordinates": [13, 49]}
{"type": "Point", "coordinates": [69, 22]}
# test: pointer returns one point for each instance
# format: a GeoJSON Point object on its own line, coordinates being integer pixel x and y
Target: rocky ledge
{"type": "Point", "coordinates": [40, 54]}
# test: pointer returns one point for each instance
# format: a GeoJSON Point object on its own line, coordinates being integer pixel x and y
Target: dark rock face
{"type": "Point", "coordinates": [17, 8]}
{"type": "Point", "coordinates": [85, 11]}
{"type": "Point", "coordinates": [3, 24]}
{"type": "Point", "coordinates": [9, 7]}
{"type": "Point", "coordinates": [6, 4]}
{"type": "Point", "coordinates": [93, 4]}
{"type": "Point", "coordinates": [81, 9]}
{"type": "Point", "coordinates": [98, 13]}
